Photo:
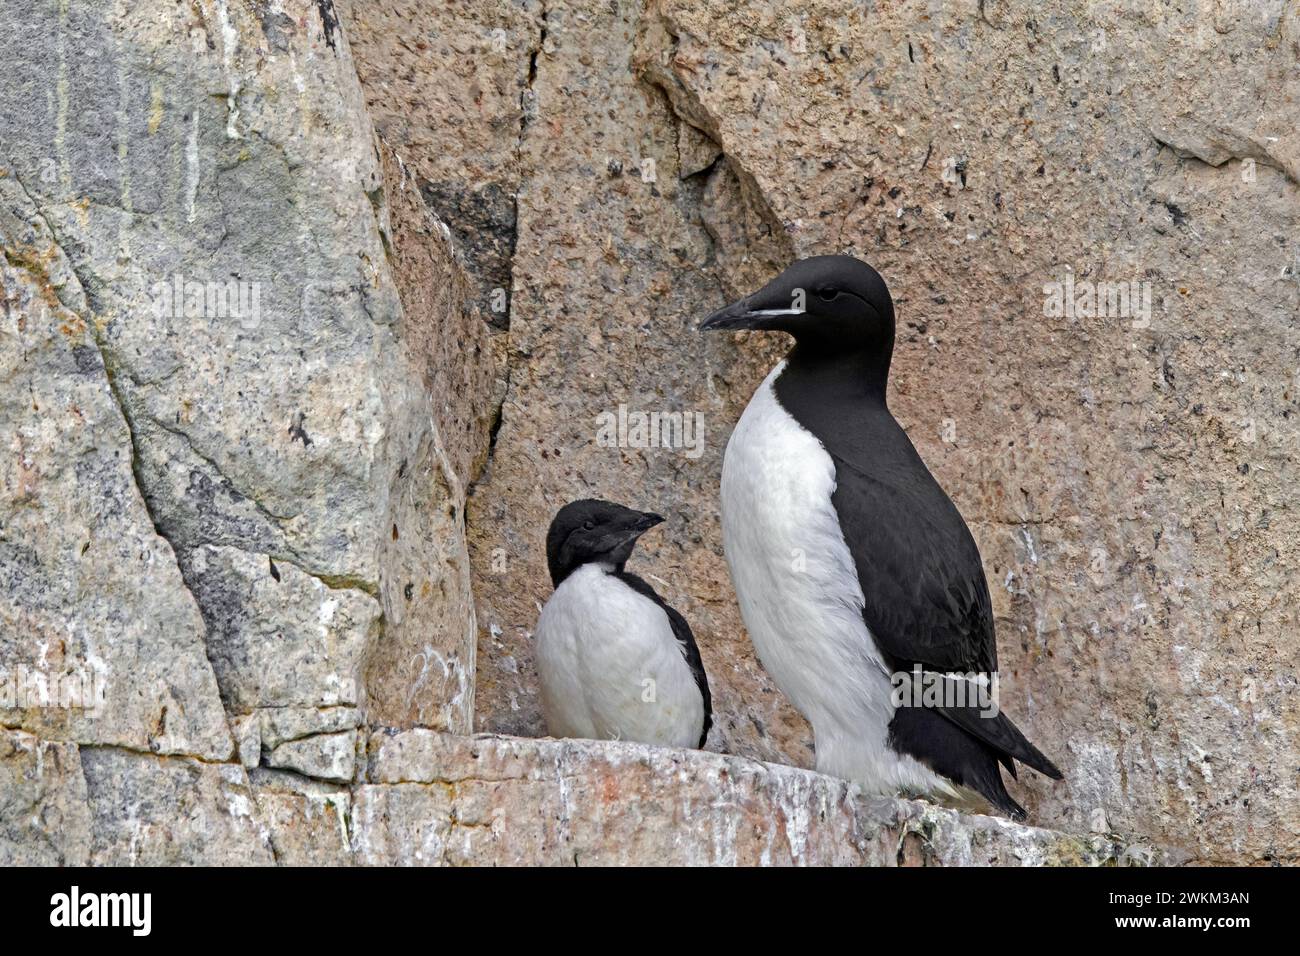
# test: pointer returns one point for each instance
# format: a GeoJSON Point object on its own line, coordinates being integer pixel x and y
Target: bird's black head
{"type": "Point", "coordinates": [592, 530]}
{"type": "Point", "coordinates": [836, 307]}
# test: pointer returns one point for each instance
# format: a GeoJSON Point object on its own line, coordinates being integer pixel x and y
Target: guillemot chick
{"type": "Point", "coordinates": [615, 661]}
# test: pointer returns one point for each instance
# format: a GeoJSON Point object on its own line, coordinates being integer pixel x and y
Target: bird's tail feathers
{"type": "Point", "coordinates": [1003, 736]}
{"type": "Point", "coordinates": [995, 792]}
{"type": "Point", "coordinates": [952, 752]}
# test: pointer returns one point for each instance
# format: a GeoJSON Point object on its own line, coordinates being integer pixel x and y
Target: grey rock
{"type": "Point", "coordinates": [307, 819]}
{"type": "Point", "coordinates": [92, 599]}
{"type": "Point", "coordinates": [283, 724]}
{"type": "Point", "coordinates": [168, 811]}
{"type": "Point", "coordinates": [278, 637]}
{"type": "Point", "coordinates": [44, 816]}
{"type": "Point", "coordinates": [331, 757]}
{"type": "Point", "coordinates": [248, 739]}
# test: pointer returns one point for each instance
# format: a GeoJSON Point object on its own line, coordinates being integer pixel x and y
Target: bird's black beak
{"type": "Point", "coordinates": [737, 315]}
{"type": "Point", "coordinates": [645, 522]}
{"type": "Point", "coordinates": [619, 536]}
{"type": "Point", "coordinates": [749, 313]}
{"type": "Point", "coordinates": [623, 539]}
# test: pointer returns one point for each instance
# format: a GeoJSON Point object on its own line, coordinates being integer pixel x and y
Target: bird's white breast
{"type": "Point", "coordinates": [610, 666]}
{"type": "Point", "coordinates": [800, 597]}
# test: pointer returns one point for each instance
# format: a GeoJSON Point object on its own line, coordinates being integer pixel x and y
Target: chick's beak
{"type": "Point", "coordinates": [646, 521]}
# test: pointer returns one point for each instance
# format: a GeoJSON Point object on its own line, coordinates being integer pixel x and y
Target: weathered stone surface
{"type": "Point", "coordinates": [289, 426]}
{"type": "Point", "coordinates": [445, 323]}
{"type": "Point", "coordinates": [450, 165]}
{"type": "Point", "coordinates": [330, 757]}
{"type": "Point", "coordinates": [44, 817]}
{"type": "Point", "coordinates": [215, 394]}
{"type": "Point", "coordinates": [438, 799]}
{"type": "Point", "coordinates": [278, 637]}
{"type": "Point", "coordinates": [307, 819]}
{"type": "Point", "coordinates": [448, 105]}
{"type": "Point", "coordinates": [92, 599]}
{"type": "Point", "coordinates": [283, 724]}
{"type": "Point", "coordinates": [247, 729]}
{"type": "Point", "coordinates": [451, 100]}
{"type": "Point", "coordinates": [287, 414]}
{"type": "Point", "coordinates": [150, 811]}
{"type": "Point", "coordinates": [421, 671]}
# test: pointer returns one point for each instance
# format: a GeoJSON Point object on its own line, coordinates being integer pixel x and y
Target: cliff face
{"type": "Point", "coordinates": [1124, 462]}
{"type": "Point", "coordinates": [311, 316]}
{"type": "Point", "coordinates": [229, 500]}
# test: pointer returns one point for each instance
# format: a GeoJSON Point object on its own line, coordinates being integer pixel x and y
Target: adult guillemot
{"type": "Point", "coordinates": [615, 661]}
{"type": "Point", "coordinates": [853, 569]}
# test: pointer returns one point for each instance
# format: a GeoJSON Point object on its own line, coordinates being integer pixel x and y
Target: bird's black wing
{"type": "Point", "coordinates": [927, 603]}
{"type": "Point", "coordinates": [926, 598]}
{"type": "Point", "coordinates": [685, 637]}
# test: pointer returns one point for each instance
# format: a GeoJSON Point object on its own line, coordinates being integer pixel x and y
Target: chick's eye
{"type": "Point", "coordinates": [827, 295]}
{"type": "Point", "coordinates": [588, 525]}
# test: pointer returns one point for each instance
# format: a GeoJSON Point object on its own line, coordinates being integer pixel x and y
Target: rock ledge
{"type": "Point", "coordinates": [437, 798]}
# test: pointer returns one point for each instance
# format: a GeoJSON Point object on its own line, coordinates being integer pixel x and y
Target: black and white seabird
{"type": "Point", "coordinates": [615, 661]}
{"type": "Point", "coordinates": [850, 563]}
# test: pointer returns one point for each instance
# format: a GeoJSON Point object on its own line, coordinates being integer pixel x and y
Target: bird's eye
{"type": "Point", "coordinates": [588, 525]}
{"type": "Point", "coordinates": [827, 295]}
